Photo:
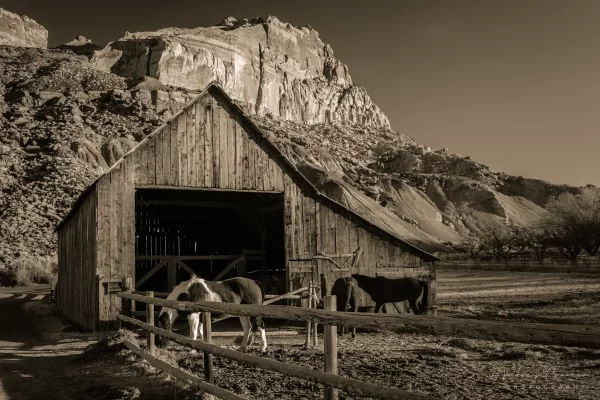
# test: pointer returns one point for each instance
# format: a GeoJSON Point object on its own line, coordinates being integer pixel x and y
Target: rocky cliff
{"type": "Point", "coordinates": [16, 30]}
{"type": "Point", "coordinates": [65, 119]}
{"type": "Point", "coordinates": [270, 66]}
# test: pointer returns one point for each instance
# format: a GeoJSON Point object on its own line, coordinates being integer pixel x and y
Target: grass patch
{"type": "Point", "coordinates": [29, 271]}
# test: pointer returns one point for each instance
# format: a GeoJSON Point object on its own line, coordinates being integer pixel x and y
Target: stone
{"type": "Point", "coordinates": [270, 66]}
{"type": "Point", "coordinates": [16, 30]}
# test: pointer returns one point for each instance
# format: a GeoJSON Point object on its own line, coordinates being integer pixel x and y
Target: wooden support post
{"type": "Point", "coordinates": [208, 364]}
{"type": "Point", "coordinates": [150, 321]}
{"type": "Point", "coordinates": [315, 324]}
{"type": "Point", "coordinates": [126, 304]}
{"type": "Point", "coordinates": [330, 348]}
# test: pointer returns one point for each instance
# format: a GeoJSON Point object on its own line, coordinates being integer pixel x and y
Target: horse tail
{"type": "Point", "coordinates": [349, 289]}
{"type": "Point", "coordinates": [258, 321]}
{"type": "Point", "coordinates": [425, 298]}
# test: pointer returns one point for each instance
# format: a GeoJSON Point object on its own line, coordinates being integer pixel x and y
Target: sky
{"type": "Point", "coordinates": [513, 83]}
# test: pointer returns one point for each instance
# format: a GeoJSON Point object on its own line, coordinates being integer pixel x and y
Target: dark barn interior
{"type": "Point", "coordinates": [205, 231]}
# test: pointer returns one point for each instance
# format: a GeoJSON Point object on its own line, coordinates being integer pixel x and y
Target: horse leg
{"type": "Point", "coordinates": [413, 306]}
{"type": "Point", "coordinates": [353, 308]}
{"type": "Point", "coordinates": [246, 327]}
{"type": "Point", "coordinates": [194, 321]}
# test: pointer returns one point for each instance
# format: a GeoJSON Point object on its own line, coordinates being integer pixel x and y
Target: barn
{"type": "Point", "coordinates": [208, 193]}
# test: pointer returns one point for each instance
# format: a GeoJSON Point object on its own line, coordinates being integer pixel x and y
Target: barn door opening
{"type": "Point", "coordinates": [213, 234]}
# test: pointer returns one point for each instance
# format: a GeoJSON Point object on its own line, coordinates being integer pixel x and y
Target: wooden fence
{"type": "Point", "coordinates": [329, 378]}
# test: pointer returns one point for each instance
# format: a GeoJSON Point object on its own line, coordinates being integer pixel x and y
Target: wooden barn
{"type": "Point", "coordinates": [208, 193]}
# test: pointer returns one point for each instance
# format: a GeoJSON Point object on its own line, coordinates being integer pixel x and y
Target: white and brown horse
{"type": "Point", "coordinates": [234, 290]}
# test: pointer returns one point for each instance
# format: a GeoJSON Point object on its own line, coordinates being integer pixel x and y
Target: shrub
{"type": "Point", "coordinates": [29, 271]}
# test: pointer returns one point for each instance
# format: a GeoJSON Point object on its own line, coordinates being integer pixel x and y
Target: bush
{"type": "Point", "coordinates": [29, 271]}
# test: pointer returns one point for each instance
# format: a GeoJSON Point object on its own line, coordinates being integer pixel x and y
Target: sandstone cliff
{"type": "Point", "coordinates": [16, 30]}
{"type": "Point", "coordinates": [270, 66]}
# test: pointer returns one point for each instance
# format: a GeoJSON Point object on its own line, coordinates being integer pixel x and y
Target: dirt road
{"type": "Point", "coordinates": [26, 360]}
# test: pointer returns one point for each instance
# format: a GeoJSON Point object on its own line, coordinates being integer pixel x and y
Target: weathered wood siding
{"type": "Point", "coordinates": [210, 145]}
{"type": "Point", "coordinates": [205, 146]}
{"type": "Point", "coordinates": [77, 298]}
{"type": "Point", "coordinates": [313, 227]}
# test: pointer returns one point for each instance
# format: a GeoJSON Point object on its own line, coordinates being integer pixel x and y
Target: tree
{"type": "Point", "coordinates": [471, 245]}
{"type": "Point", "coordinates": [574, 223]}
{"type": "Point", "coordinates": [538, 239]}
{"type": "Point", "coordinates": [503, 240]}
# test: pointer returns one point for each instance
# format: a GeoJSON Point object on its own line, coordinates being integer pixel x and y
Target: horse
{"type": "Point", "coordinates": [235, 290]}
{"type": "Point", "coordinates": [385, 290]}
{"type": "Point", "coordinates": [346, 292]}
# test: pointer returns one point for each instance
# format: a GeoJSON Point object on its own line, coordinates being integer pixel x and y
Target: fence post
{"type": "Point", "coordinates": [308, 322]}
{"type": "Point", "coordinates": [207, 332]}
{"type": "Point", "coordinates": [126, 304]}
{"type": "Point", "coordinates": [150, 321]}
{"type": "Point", "coordinates": [315, 324]}
{"type": "Point", "coordinates": [330, 348]}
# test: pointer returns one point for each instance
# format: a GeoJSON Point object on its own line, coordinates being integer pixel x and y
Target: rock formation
{"type": "Point", "coordinates": [65, 119]}
{"type": "Point", "coordinates": [80, 45]}
{"type": "Point", "coordinates": [270, 66]}
{"type": "Point", "coordinates": [16, 30]}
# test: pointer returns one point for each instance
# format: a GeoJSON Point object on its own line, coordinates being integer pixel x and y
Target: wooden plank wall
{"type": "Point", "coordinates": [206, 146]}
{"type": "Point", "coordinates": [77, 265]}
{"type": "Point", "coordinates": [313, 227]}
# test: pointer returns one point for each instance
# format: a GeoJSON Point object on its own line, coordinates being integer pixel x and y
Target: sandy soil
{"type": "Point", "coordinates": [520, 296]}
{"type": "Point", "coordinates": [41, 356]}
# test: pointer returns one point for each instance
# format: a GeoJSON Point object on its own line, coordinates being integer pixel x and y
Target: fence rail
{"type": "Point", "coordinates": [548, 334]}
{"type": "Point", "coordinates": [329, 379]}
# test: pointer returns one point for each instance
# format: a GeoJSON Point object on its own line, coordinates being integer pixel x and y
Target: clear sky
{"type": "Point", "coordinates": [512, 83]}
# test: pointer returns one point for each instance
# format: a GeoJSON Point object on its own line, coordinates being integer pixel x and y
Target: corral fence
{"type": "Point", "coordinates": [547, 334]}
{"type": "Point", "coordinates": [328, 378]}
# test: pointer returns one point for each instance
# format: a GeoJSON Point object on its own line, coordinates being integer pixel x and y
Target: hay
{"type": "Point", "coordinates": [108, 346]}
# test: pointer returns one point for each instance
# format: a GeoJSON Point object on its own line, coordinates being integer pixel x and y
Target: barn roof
{"type": "Point", "coordinates": [214, 88]}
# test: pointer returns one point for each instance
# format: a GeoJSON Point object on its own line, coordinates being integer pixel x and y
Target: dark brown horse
{"type": "Point", "coordinates": [346, 292]}
{"type": "Point", "coordinates": [234, 290]}
{"type": "Point", "coordinates": [385, 290]}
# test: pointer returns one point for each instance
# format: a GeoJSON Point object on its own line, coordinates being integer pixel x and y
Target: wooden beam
{"type": "Point", "coordinates": [195, 258]}
{"type": "Point", "coordinates": [228, 268]}
{"type": "Point", "coordinates": [150, 273]}
{"type": "Point", "coordinates": [184, 266]}
{"type": "Point", "coordinates": [285, 296]}
{"type": "Point", "coordinates": [192, 380]}
{"type": "Point", "coordinates": [307, 374]}
{"type": "Point", "coordinates": [204, 189]}
{"type": "Point", "coordinates": [197, 203]}
{"type": "Point", "coordinates": [550, 334]}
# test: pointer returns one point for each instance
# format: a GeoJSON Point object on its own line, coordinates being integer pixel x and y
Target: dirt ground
{"type": "Point", "coordinates": [548, 297]}
{"type": "Point", "coordinates": [41, 355]}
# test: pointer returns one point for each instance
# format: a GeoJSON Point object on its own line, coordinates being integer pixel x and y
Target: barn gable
{"type": "Point", "coordinates": [212, 146]}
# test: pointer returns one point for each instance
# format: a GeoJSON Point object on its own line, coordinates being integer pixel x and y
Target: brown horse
{"type": "Point", "coordinates": [346, 292]}
{"type": "Point", "coordinates": [385, 290]}
{"type": "Point", "coordinates": [235, 290]}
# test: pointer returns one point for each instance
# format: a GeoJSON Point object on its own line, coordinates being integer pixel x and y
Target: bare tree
{"type": "Point", "coordinates": [538, 239]}
{"type": "Point", "coordinates": [574, 223]}
{"type": "Point", "coordinates": [471, 245]}
{"type": "Point", "coordinates": [503, 240]}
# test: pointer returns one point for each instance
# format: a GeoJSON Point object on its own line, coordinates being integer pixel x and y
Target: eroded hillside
{"type": "Point", "coordinates": [66, 118]}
